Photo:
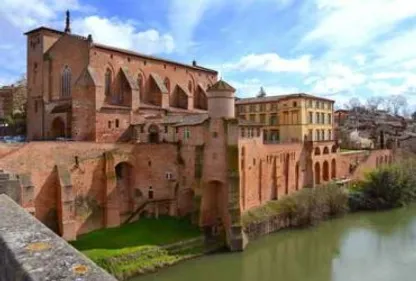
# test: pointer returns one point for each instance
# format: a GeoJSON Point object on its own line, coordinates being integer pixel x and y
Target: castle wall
{"type": "Point", "coordinates": [150, 166]}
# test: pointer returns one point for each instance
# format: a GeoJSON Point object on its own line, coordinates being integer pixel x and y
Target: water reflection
{"type": "Point", "coordinates": [377, 246]}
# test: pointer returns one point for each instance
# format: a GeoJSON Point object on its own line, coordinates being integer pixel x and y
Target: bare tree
{"type": "Point", "coordinates": [373, 103]}
{"type": "Point", "coordinates": [397, 102]}
{"type": "Point", "coordinates": [353, 103]}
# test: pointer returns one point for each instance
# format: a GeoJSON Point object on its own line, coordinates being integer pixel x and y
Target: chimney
{"type": "Point", "coordinates": [67, 23]}
{"type": "Point", "coordinates": [194, 63]}
{"type": "Point", "coordinates": [89, 38]}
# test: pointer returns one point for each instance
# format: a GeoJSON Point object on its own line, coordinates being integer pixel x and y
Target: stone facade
{"type": "Point", "coordinates": [30, 251]}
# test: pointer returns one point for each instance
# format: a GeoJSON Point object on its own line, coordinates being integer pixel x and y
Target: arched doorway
{"type": "Point", "coordinates": [333, 169]}
{"type": "Point", "coordinates": [124, 183]}
{"type": "Point", "coordinates": [58, 128]}
{"type": "Point", "coordinates": [326, 171]}
{"type": "Point", "coordinates": [317, 173]}
{"type": "Point", "coordinates": [153, 133]}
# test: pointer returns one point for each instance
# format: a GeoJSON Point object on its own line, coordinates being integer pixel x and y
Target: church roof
{"type": "Point", "coordinates": [221, 85]}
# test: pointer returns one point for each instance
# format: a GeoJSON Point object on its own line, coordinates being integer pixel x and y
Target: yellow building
{"type": "Point", "coordinates": [290, 118]}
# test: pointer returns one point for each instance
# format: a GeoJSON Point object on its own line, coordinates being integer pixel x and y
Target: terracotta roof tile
{"type": "Point", "coordinates": [221, 85]}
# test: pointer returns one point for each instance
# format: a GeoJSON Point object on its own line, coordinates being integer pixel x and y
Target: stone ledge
{"type": "Point", "coordinates": [30, 251]}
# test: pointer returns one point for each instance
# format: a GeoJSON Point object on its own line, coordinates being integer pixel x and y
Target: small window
{"type": "Point", "coordinates": [144, 62]}
{"type": "Point", "coordinates": [169, 175]}
{"type": "Point", "coordinates": [109, 124]}
{"type": "Point", "coordinates": [254, 161]}
{"type": "Point", "coordinates": [166, 129]}
{"type": "Point", "coordinates": [117, 123]}
{"type": "Point", "coordinates": [150, 193]}
{"type": "Point", "coordinates": [243, 133]}
{"type": "Point", "coordinates": [295, 104]}
{"type": "Point", "coordinates": [186, 133]}
{"type": "Point", "coordinates": [149, 163]}
{"type": "Point", "coordinates": [214, 135]}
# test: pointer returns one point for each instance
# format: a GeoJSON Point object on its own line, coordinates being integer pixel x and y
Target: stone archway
{"type": "Point", "coordinates": [325, 168]}
{"type": "Point", "coordinates": [58, 128]}
{"type": "Point", "coordinates": [317, 172]}
{"type": "Point", "coordinates": [124, 184]}
{"type": "Point", "coordinates": [153, 133]}
{"type": "Point", "coordinates": [333, 169]}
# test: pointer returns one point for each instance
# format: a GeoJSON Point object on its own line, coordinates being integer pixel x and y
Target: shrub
{"type": "Point", "coordinates": [306, 207]}
{"type": "Point", "coordinates": [388, 187]}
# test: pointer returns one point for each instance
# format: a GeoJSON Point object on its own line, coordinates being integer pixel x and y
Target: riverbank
{"type": "Point", "coordinates": [386, 188]}
{"type": "Point", "coordinates": [143, 246]}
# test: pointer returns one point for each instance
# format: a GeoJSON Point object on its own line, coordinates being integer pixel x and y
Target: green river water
{"type": "Point", "coordinates": [360, 247]}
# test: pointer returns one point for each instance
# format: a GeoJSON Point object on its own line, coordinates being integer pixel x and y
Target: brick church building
{"type": "Point", "coordinates": [87, 91]}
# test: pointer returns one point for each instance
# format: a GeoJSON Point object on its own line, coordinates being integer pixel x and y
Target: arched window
{"type": "Point", "coordinates": [326, 150]}
{"type": "Point", "coordinates": [317, 151]}
{"type": "Point", "coordinates": [108, 78]}
{"type": "Point", "coordinates": [66, 82]}
{"type": "Point", "coordinates": [167, 84]}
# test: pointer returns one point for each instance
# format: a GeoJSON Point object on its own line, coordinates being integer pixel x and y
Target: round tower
{"type": "Point", "coordinates": [221, 100]}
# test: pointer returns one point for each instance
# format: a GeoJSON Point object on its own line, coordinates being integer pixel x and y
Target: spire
{"type": "Point", "coordinates": [67, 23]}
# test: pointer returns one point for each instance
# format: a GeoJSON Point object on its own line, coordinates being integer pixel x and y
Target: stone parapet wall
{"type": "Point", "coordinates": [29, 251]}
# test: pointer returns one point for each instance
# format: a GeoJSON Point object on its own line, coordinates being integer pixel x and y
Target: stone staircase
{"type": "Point", "coordinates": [10, 185]}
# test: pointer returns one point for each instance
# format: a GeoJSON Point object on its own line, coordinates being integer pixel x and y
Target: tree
{"type": "Point", "coordinates": [373, 103]}
{"type": "Point", "coordinates": [353, 104]}
{"type": "Point", "coordinates": [262, 93]}
{"type": "Point", "coordinates": [397, 102]}
{"type": "Point", "coordinates": [414, 116]}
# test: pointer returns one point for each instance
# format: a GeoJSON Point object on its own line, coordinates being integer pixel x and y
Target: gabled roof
{"type": "Point", "coordinates": [91, 74]}
{"type": "Point", "coordinates": [202, 88]}
{"type": "Point", "coordinates": [132, 82]}
{"type": "Point", "coordinates": [183, 89]}
{"type": "Point", "coordinates": [220, 86]}
{"type": "Point", "coordinates": [159, 83]}
{"type": "Point", "coordinates": [44, 28]}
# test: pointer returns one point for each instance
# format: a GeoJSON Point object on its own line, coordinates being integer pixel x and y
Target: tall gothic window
{"type": "Point", "coordinates": [108, 79]}
{"type": "Point", "coordinates": [66, 82]}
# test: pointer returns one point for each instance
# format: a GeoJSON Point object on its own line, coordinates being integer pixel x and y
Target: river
{"type": "Point", "coordinates": [359, 247]}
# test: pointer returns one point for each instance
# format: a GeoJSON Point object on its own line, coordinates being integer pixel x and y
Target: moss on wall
{"type": "Point", "coordinates": [85, 206]}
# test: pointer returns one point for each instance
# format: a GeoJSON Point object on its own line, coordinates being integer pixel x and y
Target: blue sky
{"type": "Point", "coordinates": [335, 48]}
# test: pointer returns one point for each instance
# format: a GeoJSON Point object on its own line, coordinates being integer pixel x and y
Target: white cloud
{"type": "Point", "coordinates": [123, 34]}
{"type": "Point", "coordinates": [24, 14]}
{"type": "Point", "coordinates": [360, 59]}
{"type": "Point", "coordinates": [354, 23]}
{"type": "Point", "coordinates": [333, 78]}
{"type": "Point", "coordinates": [270, 62]}
{"type": "Point", "coordinates": [251, 87]}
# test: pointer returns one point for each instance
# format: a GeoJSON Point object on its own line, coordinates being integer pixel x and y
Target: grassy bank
{"type": "Point", "coordinates": [137, 248]}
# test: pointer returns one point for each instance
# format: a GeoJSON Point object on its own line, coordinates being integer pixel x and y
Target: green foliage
{"type": "Point", "coordinates": [146, 231]}
{"type": "Point", "coordinates": [385, 188]}
{"type": "Point", "coordinates": [306, 207]}
{"type": "Point", "coordinates": [232, 155]}
{"type": "Point", "coordinates": [128, 262]}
